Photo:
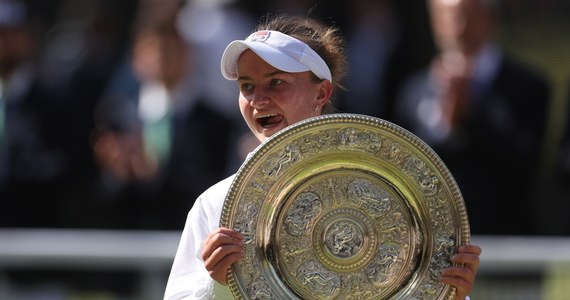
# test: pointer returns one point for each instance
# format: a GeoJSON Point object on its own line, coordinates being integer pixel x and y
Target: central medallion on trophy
{"type": "Point", "coordinates": [344, 239]}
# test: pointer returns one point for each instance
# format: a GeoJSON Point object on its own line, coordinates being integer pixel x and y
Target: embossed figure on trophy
{"type": "Point", "coordinates": [258, 187]}
{"type": "Point", "coordinates": [368, 196]}
{"type": "Point", "coordinates": [317, 142]}
{"type": "Point", "coordinates": [308, 206]}
{"type": "Point", "coordinates": [292, 252]}
{"type": "Point", "coordinates": [344, 239]}
{"type": "Point", "coordinates": [385, 264]}
{"type": "Point", "coordinates": [375, 143]}
{"type": "Point", "coordinates": [325, 285]}
{"type": "Point", "coordinates": [437, 210]}
{"type": "Point", "coordinates": [348, 138]}
{"type": "Point", "coordinates": [443, 250]}
{"type": "Point", "coordinates": [360, 140]}
{"type": "Point", "coordinates": [291, 153]}
{"type": "Point", "coordinates": [260, 291]}
{"type": "Point", "coordinates": [393, 152]}
{"type": "Point", "coordinates": [335, 192]}
{"type": "Point", "coordinates": [397, 232]}
{"type": "Point", "coordinates": [429, 183]}
{"type": "Point", "coordinates": [246, 225]}
{"type": "Point", "coordinates": [358, 294]}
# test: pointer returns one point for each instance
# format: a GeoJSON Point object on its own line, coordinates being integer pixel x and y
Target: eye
{"type": "Point", "coordinates": [246, 87]}
{"type": "Point", "coordinates": [275, 82]}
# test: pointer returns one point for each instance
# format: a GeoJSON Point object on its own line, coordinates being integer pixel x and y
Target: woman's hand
{"type": "Point", "coordinates": [220, 250]}
{"type": "Point", "coordinates": [462, 277]}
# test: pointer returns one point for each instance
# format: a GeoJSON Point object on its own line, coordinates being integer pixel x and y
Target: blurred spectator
{"type": "Point", "coordinates": [81, 50]}
{"type": "Point", "coordinates": [160, 141]}
{"type": "Point", "coordinates": [36, 159]}
{"type": "Point", "coordinates": [60, 54]}
{"type": "Point", "coordinates": [371, 39]}
{"type": "Point", "coordinates": [484, 114]}
{"type": "Point", "coordinates": [210, 25]}
{"type": "Point", "coordinates": [384, 48]}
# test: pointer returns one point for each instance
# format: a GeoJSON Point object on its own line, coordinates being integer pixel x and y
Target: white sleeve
{"type": "Point", "coordinates": [188, 277]}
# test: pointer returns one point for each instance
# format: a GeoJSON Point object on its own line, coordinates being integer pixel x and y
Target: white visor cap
{"type": "Point", "coordinates": [281, 51]}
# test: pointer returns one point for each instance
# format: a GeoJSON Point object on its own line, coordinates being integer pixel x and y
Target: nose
{"type": "Point", "coordinates": [259, 98]}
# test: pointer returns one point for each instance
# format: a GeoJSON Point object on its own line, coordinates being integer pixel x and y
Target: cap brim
{"type": "Point", "coordinates": [272, 56]}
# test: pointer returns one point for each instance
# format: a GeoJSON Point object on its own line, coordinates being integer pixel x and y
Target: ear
{"type": "Point", "coordinates": [325, 93]}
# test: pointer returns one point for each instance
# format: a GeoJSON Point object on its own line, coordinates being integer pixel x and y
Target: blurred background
{"type": "Point", "coordinates": [114, 117]}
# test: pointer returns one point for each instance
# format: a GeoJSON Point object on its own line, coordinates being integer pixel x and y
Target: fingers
{"type": "Point", "coordinates": [220, 237]}
{"type": "Point", "coordinates": [469, 256]}
{"type": "Point", "coordinates": [221, 249]}
{"type": "Point", "coordinates": [470, 248]}
{"type": "Point", "coordinates": [462, 286]}
{"type": "Point", "coordinates": [218, 269]}
{"type": "Point", "coordinates": [459, 272]}
{"type": "Point", "coordinates": [462, 276]}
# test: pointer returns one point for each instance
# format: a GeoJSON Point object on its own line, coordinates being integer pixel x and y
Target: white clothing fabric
{"type": "Point", "coordinates": [188, 278]}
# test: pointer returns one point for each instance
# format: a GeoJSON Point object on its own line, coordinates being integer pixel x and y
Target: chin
{"type": "Point", "coordinates": [267, 135]}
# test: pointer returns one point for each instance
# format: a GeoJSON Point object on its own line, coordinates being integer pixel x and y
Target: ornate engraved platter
{"type": "Point", "coordinates": [344, 206]}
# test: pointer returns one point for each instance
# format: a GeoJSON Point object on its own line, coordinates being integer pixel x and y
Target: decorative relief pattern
{"type": "Point", "coordinates": [318, 142]}
{"type": "Point", "coordinates": [357, 139]}
{"type": "Point", "coordinates": [424, 176]}
{"type": "Point", "coordinates": [303, 214]}
{"type": "Point", "coordinates": [365, 237]}
{"type": "Point", "coordinates": [261, 291]}
{"type": "Point", "coordinates": [387, 265]}
{"type": "Point", "coordinates": [444, 246]}
{"type": "Point", "coordinates": [321, 282]}
{"type": "Point", "coordinates": [290, 154]}
{"type": "Point", "coordinates": [344, 239]}
{"type": "Point", "coordinates": [247, 224]}
{"type": "Point", "coordinates": [341, 232]}
{"type": "Point", "coordinates": [393, 152]}
{"type": "Point", "coordinates": [369, 197]}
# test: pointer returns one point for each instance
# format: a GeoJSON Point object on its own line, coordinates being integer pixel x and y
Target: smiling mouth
{"type": "Point", "coordinates": [267, 121]}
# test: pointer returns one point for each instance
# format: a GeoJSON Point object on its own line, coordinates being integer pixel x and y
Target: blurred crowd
{"type": "Point", "coordinates": [113, 114]}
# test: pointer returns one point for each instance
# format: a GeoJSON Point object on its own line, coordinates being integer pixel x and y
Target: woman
{"type": "Point", "coordinates": [286, 71]}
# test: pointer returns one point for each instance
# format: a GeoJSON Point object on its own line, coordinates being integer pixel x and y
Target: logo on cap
{"type": "Point", "coordinates": [261, 36]}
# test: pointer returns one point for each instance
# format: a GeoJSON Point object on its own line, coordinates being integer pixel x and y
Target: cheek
{"type": "Point", "coordinates": [244, 108]}
{"type": "Point", "coordinates": [242, 102]}
{"type": "Point", "coordinates": [302, 110]}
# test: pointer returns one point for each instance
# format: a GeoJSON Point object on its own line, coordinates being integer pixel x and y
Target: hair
{"type": "Point", "coordinates": [323, 39]}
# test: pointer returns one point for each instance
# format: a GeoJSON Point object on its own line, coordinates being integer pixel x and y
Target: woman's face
{"type": "Point", "coordinates": [271, 100]}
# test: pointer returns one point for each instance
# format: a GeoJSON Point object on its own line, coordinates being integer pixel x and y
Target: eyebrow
{"type": "Point", "coordinates": [276, 72]}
